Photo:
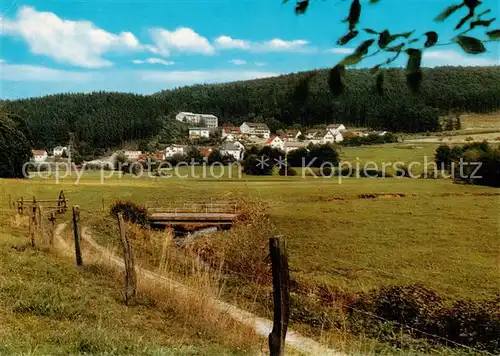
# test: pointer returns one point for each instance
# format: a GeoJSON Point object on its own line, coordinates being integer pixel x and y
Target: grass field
{"type": "Point", "coordinates": [442, 233]}
{"type": "Point", "coordinates": [430, 231]}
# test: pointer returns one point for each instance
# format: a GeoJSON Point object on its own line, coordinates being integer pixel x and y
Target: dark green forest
{"type": "Point", "coordinates": [104, 120]}
{"type": "Point", "coordinates": [14, 146]}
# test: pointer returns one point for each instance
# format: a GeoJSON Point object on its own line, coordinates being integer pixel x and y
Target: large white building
{"type": "Point", "coordinates": [199, 132]}
{"type": "Point", "coordinates": [172, 150]}
{"type": "Point", "coordinates": [206, 120]}
{"type": "Point", "coordinates": [255, 129]}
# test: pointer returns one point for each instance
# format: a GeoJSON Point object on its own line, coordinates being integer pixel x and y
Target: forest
{"type": "Point", "coordinates": [103, 120]}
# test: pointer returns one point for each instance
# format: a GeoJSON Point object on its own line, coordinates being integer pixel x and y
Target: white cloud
{"type": "Point", "coordinates": [226, 42]}
{"type": "Point", "coordinates": [455, 58]}
{"type": "Point", "coordinates": [274, 45]}
{"type": "Point", "coordinates": [201, 76]}
{"type": "Point", "coordinates": [260, 64]}
{"type": "Point", "coordinates": [78, 43]}
{"type": "Point", "coordinates": [340, 50]}
{"type": "Point", "coordinates": [279, 45]}
{"type": "Point", "coordinates": [238, 62]}
{"type": "Point", "coordinates": [153, 61]}
{"type": "Point", "coordinates": [31, 73]}
{"type": "Point", "coordinates": [182, 39]}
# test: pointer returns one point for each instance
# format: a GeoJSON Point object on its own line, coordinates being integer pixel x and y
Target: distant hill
{"type": "Point", "coordinates": [105, 120]}
{"type": "Point", "coordinates": [288, 99]}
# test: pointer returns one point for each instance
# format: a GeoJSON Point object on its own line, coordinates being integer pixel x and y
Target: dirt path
{"type": "Point", "coordinates": [262, 326]}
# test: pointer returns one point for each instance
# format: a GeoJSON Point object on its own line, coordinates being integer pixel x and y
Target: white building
{"type": "Point", "coordinates": [199, 132]}
{"type": "Point", "coordinates": [59, 150]}
{"type": "Point", "coordinates": [294, 145]}
{"type": "Point", "coordinates": [172, 150]}
{"type": "Point", "coordinates": [330, 136]}
{"type": "Point", "coordinates": [291, 135]}
{"type": "Point", "coordinates": [206, 120]}
{"type": "Point", "coordinates": [39, 155]}
{"type": "Point", "coordinates": [132, 155]}
{"type": "Point", "coordinates": [255, 129]}
{"type": "Point", "coordinates": [275, 142]}
{"type": "Point", "coordinates": [232, 149]}
{"type": "Point", "coordinates": [230, 133]}
{"type": "Point", "coordinates": [338, 127]}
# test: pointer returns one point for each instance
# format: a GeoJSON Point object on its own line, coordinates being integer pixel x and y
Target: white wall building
{"type": "Point", "coordinates": [331, 136]}
{"type": "Point", "coordinates": [132, 155]}
{"type": "Point", "coordinates": [231, 149]}
{"type": "Point", "coordinates": [275, 142]}
{"type": "Point", "coordinates": [172, 150]}
{"type": "Point", "coordinates": [230, 133]}
{"type": "Point", "coordinates": [294, 145]}
{"type": "Point", "coordinates": [39, 155]}
{"type": "Point", "coordinates": [59, 150]}
{"type": "Point", "coordinates": [199, 132]}
{"type": "Point", "coordinates": [255, 129]}
{"type": "Point", "coordinates": [338, 127]}
{"type": "Point", "coordinates": [206, 120]}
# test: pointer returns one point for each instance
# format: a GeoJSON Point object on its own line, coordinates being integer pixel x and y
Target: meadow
{"type": "Point", "coordinates": [351, 235]}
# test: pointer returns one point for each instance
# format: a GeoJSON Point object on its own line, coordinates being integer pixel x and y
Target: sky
{"type": "Point", "coordinates": [57, 46]}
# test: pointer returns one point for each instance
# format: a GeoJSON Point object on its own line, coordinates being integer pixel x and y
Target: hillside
{"type": "Point", "coordinates": [105, 120]}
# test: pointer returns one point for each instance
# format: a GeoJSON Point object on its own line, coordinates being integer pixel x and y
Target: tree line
{"type": "Point", "coordinates": [103, 120]}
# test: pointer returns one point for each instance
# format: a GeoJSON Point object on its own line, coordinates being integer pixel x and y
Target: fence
{"type": "Point", "coordinates": [60, 205]}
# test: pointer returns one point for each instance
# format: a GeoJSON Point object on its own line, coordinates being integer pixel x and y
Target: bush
{"type": "Point", "coordinates": [131, 211]}
{"type": "Point", "coordinates": [421, 311]}
{"type": "Point", "coordinates": [288, 171]}
{"type": "Point", "coordinates": [258, 165]}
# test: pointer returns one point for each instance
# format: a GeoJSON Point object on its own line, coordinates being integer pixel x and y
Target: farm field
{"type": "Point", "coordinates": [50, 307]}
{"type": "Point", "coordinates": [349, 235]}
{"type": "Point", "coordinates": [440, 233]}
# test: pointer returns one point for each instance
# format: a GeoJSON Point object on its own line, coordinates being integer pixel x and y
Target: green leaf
{"type": "Point", "coordinates": [354, 14]}
{"type": "Point", "coordinates": [493, 35]}
{"type": "Point", "coordinates": [397, 48]}
{"type": "Point", "coordinates": [373, 2]}
{"type": "Point", "coordinates": [370, 31]}
{"type": "Point", "coordinates": [352, 59]}
{"type": "Point", "coordinates": [301, 7]}
{"type": "Point", "coordinates": [482, 23]}
{"type": "Point", "coordinates": [447, 12]}
{"type": "Point", "coordinates": [348, 37]}
{"type": "Point", "coordinates": [363, 48]}
{"type": "Point", "coordinates": [335, 76]}
{"type": "Point", "coordinates": [471, 45]}
{"type": "Point", "coordinates": [432, 38]}
{"type": "Point", "coordinates": [413, 40]}
{"type": "Point", "coordinates": [383, 39]}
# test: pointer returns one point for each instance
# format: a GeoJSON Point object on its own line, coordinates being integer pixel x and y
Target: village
{"type": "Point", "coordinates": [230, 141]}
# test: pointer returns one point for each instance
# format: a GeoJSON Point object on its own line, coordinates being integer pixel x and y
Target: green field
{"type": "Point", "coordinates": [440, 233]}
{"type": "Point", "coordinates": [443, 235]}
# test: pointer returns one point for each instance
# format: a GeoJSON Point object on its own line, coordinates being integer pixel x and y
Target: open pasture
{"type": "Point", "coordinates": [428, 231]}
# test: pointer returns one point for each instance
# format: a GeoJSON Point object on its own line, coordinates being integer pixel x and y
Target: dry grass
{"type": "Point", "coordinates": [47, 306]}
{"type": "Point", "coordinates": [478, 121]}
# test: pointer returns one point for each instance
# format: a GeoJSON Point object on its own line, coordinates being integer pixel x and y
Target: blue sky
{"type": "Point", "coordinates": [53, 46]}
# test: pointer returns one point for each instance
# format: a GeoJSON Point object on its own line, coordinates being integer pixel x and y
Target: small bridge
{"type": "Point", "coordinates": [202, 214]}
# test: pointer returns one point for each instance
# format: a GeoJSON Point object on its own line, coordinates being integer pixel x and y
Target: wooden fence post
{"type": "Point", "coordinates": [130, 275]}
{"type": "Point", "coordinates": [52, 235]}
{"type": "Point", "coordinates": [76, 230]}
{"type": "Point", "coordinates": [281, 296]}
{"type": "Point", "coordinates": [32, 229]}
{"type": "Point", "coordinates": [39, 222]}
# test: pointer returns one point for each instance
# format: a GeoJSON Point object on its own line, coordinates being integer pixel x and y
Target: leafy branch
{"type": "Point", "coordinates": [384, 40]}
